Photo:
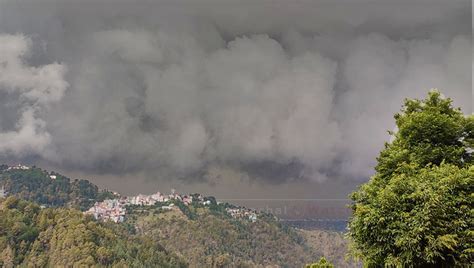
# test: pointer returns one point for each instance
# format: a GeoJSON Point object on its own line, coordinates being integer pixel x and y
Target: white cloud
{"type": "Point", "coordinates": [36, 88]}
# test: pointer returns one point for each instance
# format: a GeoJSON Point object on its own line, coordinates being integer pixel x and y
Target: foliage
{"type": "Point", "coordinates": [213, 239]}
{"type": "Point", "coordinates": [323, 263]}
{"type": "Point", "coordinates": [430, 131]}
{"type": "Point", "coordinates": [185, 210]}
{"type": "Point", "coordinates": [205, 235]}
{"type": "Point", "coordinates": [332, 245]}
{"type": "Point", "coordinates": [417, 209]}
{"type": "Point", "coordinates": [31, 236]}
{"type": "Point", "coordinates": [37, 186]}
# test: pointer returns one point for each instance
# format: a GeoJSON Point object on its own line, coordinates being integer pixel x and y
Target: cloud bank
{"type": "Point", "coordinates": [34, 88]}
{"type": "Point", "coordinates": [277, 90]}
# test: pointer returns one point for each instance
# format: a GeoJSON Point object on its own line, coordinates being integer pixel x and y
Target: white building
{"type": "Point", "coordinates": [18, 167]}
{"type": "Point", "coordinates": [3, 193]}
{"type": "Point", "coordinates": [170, 207]}
{"type": "Point", "coordinates": [253, 217]}
{"type": "Point", "coordinates": [158, 197]}
{"type": "Point", "coordinates": [242, 213]}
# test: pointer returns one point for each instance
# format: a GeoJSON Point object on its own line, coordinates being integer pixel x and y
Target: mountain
{"type": "Point", "coordinates": [156, 231]}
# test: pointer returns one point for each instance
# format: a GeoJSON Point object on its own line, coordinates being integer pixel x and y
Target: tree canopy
{"type": "Point", "coordinates": [323, 263]}
{"type": "Point", "coordinates": [34, 237]}
{"type": "Point", "coordinates": [41, 226]}
{"type": "Point", "coordinates": [36, 185]}
{"type": "Point", "coordinates": [417, 210]}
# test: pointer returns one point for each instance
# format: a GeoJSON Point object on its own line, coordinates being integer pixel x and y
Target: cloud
{"type": "Point", "coordinates": [280, 91]}
{"type": "Point", "coordinates": [34, 88]}
{"type": "Point", "coordinates": [380, 73]}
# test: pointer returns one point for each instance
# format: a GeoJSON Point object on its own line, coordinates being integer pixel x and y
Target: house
{"type": "Point", "coordinates": [159, 197]}
{"type": "Point", "coordinates": [18, 167]}
{"type": "Point", "coordinates": [3, 193]}
{"type": "Point", "coordinates": [242, 213]}
{"type": "Point", "coordinates": [187, 200]}
{"type": "Point", "coordinates": [253, 217]}
{"type": "Point", "coordinates": [111, 209]}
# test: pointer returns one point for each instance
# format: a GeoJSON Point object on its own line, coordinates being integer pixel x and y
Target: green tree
{"type": "Point", "coordinates": [52, 237]}
{"type": "Point", "coordinates": [323, 263]}
{"type": "Point", "coordinates": [36, 185]}
{"type": "Point", "coordinates": [6, 258]}
{"type": "Point", "coordinates": [417, 210]}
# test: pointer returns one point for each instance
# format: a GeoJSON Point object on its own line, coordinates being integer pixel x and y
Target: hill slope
{"type": "Point", "coordinates": [52, 237]}
{"type": "Point", "coordinates": [213, 239]}
{"type": "Point", "coordinates": [194, 235]}
{"type": "Point", "coordinates": [37, 185]}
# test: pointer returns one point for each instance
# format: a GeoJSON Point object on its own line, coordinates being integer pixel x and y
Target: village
{"type": "Point", "coordinates": [18, 167]}
{"type": "Point", "coordinates": [115, 209]}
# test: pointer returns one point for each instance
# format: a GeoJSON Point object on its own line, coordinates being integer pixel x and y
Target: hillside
{"type": "Point", "coordinates": [52, 237]}
{"type": "Point", "coordinates": [213, 239]}
{"type": "Point", "coordinates": [50, 188]}
{"type": "Point", "coordinates": [332, 245]}
{"type": "Point", "coordinates": [174, 232]}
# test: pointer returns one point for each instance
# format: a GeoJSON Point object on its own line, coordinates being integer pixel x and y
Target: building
{"type": "Point", "coordinates": [3, 192]}
{"type": "Point", "coordinates": [111, 209]}
{"type": "Point", "coordinates": [18, 167]}
{"type": "Point", "coordinates": [242, 213]}
{"type": "Point", "coordinates": [158, 197]}
{"type": "Point", "coordinates": [187, 200]}
{"type": "Point", "coordinates": [170, 207]}
{"type": "Point", "coordinates": [253, 217]}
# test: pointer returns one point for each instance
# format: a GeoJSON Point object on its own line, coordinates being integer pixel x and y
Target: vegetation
{"type": "Point", "coordinates": [32, 236]}
{"type": "Point", "coordinates": [36, 185]}
{"type": "Point", "coordinates": [195, 235]}
{"type": "Point", "coordinates": [211, 238]}
{"type": "Point", "coordinates": [51, 237]}
{"type": "Point", "coordinates": [41, 226]}
{"type": "Point", "coordinates": [417, 210]}
{"type": "Point", "coordinates": [323, 263]}
{"type": "Point", "coordinates": [332, 245]}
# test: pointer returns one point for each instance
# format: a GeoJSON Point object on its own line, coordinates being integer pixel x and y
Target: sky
{"type": "Point", "coordinates": [239, 99]}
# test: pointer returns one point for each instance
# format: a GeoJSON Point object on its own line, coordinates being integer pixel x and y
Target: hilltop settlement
{"type": "Point", "coordinates": [40, 209]}
{"type": "Point", "coordinates": [114, 207]}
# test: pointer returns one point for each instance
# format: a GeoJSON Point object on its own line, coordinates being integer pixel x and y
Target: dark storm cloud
{"type": "Point", "coordinates": [277, 89]}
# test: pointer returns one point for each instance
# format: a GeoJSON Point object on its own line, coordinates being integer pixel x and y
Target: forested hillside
{"type": "Point", "coordinates": [195, 235]}
{"type": "Point", "coordinates": [210, 238]}
{"type": "Point", "coordinates": [53, 237]}
{"type": "Point", "coordinates": [50, 189]}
